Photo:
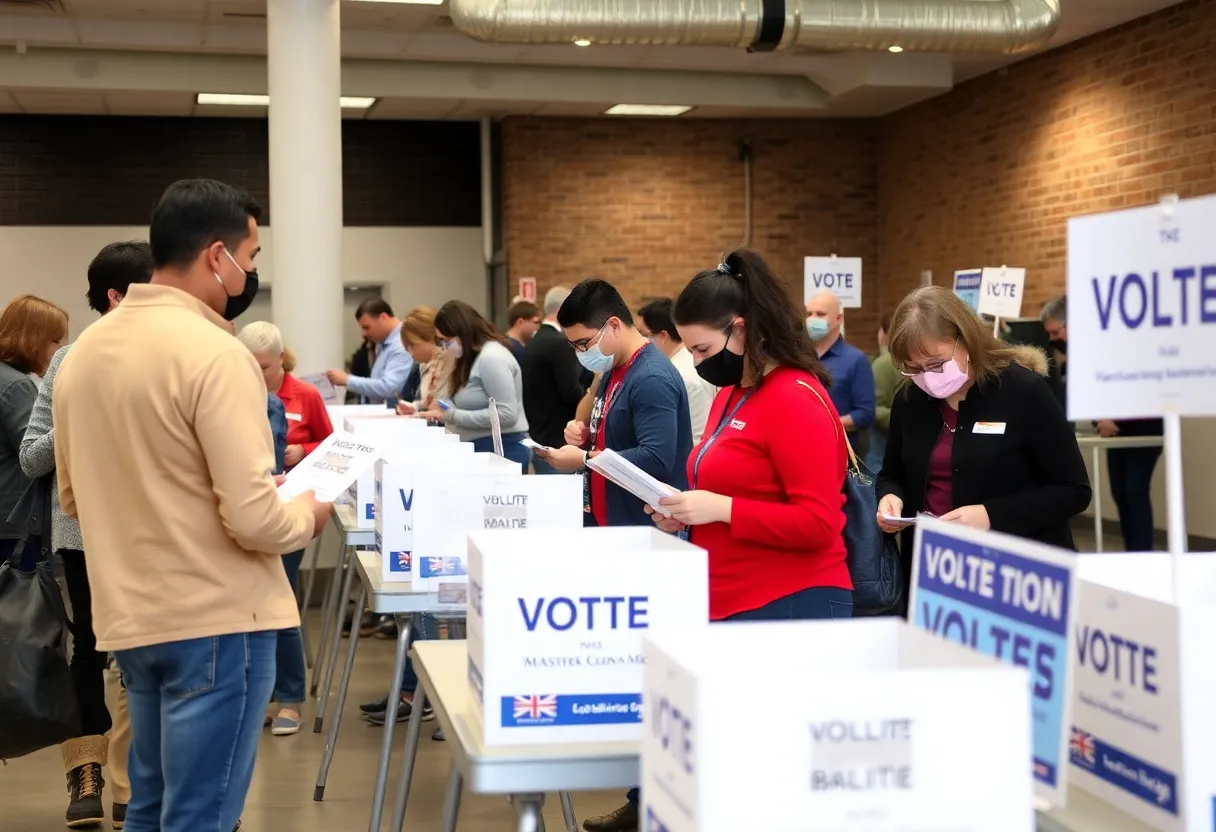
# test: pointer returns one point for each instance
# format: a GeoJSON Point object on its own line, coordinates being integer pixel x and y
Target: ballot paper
{"type": "Point", "coordinates": [329, 393]}
{"type": "Point", "coordinates": [902, 522]}
{"type": "Point", "coordinates": [332, 468]}
{"type": "Point", "coordinates": [620, 471]}
{"type": "Point", "coordinates": [529, 442]}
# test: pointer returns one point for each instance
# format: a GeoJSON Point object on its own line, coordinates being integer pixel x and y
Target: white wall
{"type": "Point", "coordinates": [417, 266]}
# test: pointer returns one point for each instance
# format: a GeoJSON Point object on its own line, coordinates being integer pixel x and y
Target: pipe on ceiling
{"type": "Point", "coordinates": [995, 26]}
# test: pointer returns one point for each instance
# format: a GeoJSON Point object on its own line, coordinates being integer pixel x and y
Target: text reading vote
{"type": "Point", "coordinates": [1016, 648]}
{"type": "Point", "coordinates": [673, 729]}
{"type": "Point", "coordinates": [1124, 659]}
{"type": "Point", "coordinates": [611, 611]}
{"type": "Point", "coordinates": [1157, 299]}
{"type": "Point", "coordinates": [832, 280]}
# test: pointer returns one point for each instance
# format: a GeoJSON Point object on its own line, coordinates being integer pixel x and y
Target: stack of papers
{"type": "Point", "coordinates": [620, 471]}
{"type": "Point", "coordinates": [332, 468]}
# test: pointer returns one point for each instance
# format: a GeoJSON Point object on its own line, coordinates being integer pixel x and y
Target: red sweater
{"type": "Point", "coordinates": [308, 422]}
{"type": "Point", "coordinates": [782, 460]}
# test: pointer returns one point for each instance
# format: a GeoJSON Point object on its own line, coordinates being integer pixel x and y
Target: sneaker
{"type": "Point", "coordinates": [403, 713]}
{"type": "Point", "coordinates": [624, 819]}
{"type": "Point", "coordinates": [118, 815]}
{"type": "Point", "coordinates": [84, 794]}
{"type": "Point", "coordinates": [438, 735]}
{"type": "Point", "coordinates": [380, 705]}
{"type": "Point", "coordinates": [285, 725]}
{"type": "Point", "coordinates": [387, 629]}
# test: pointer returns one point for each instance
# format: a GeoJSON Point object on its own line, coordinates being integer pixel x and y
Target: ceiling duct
{"type": "Point", "coordinates": [995, 26]}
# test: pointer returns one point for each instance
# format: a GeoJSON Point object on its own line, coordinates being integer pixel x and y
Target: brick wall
{"type": "Point", "coordinates": [84, 170]}
{"type": "Point", "coordinates": [990, 173]}
{"type": "Point", "coordinates": [647, 203]}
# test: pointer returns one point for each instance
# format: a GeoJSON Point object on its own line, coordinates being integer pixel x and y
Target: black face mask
{"type": "Point", "coordinates": [724, 368]}
{"type": "Point", "coordinates": [237, 304]}
{"type": "Point", "coordinates": [1062, 346]}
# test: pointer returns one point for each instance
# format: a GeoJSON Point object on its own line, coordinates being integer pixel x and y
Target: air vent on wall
{"type": "Point", "coordinates": [51, 6]}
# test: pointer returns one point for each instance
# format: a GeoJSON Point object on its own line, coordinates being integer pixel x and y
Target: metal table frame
{"type": "Point", "coordinates": [1096, 445]}
{"type": "Point", "coordinates": [525, 773]}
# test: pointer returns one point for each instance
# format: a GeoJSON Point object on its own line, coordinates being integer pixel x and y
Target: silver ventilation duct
{"type": "Point", "coordinates": [996, 26]}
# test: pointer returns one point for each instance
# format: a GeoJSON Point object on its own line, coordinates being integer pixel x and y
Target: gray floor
{"type": "Point", "coordinates": [33, 794]}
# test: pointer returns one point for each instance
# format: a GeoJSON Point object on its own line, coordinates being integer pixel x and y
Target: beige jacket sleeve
{"type": "Point", "coordinates": [234, 433]}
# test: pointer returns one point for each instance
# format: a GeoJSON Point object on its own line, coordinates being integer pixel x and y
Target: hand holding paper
{"type": "Point", "coordinates": [696, 508]}
{"type": "Point", "coordinates": [620, 471]}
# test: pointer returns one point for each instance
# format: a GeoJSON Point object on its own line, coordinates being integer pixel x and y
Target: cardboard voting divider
{"type": "Point", "coordinates": [967, 286]}
{"type": "Point", "coordinates": [453, 505]}
{"type": "Point", "coordinates": [394, 435]}
{"type": "Point", "coordinates": [1001, 292]}
{"type": "Point", "coordinates": [555, 622]}
{"type": "Point", "coordinates": [862, 725]}
{"type": "Point", "coordinates": [1141, 308]}
{"type": "Point", "coordinates": [839, 275]}
{"type": "Point", "coordinates": [1012, 599]}
{"type": "Point", "coordinates": [400, 478]}
{"type": "Point", "coordinates": [1143, 734]}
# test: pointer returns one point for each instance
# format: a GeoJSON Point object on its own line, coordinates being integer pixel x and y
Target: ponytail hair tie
{"type": "Point", "coordinates": [724, 269]}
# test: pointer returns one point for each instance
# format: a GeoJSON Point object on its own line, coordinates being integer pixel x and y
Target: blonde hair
{"type": "Point", "coordinates": [418, 326]}
{"type": "Point", "coordinates": [264, 336]}
{"type": "Point", "coordinates": [27, 325]}
{"type": "Point", "coordinates": [934, 313]}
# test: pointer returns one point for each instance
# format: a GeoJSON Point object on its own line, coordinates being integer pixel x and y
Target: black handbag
{"type": "Point", "coordinates": [38, 706]}
{"type": "Point", "coordinates": [872, 556]}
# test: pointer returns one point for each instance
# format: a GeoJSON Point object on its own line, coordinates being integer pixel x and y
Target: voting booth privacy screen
{"type": "Point", "coordinates": [396, 436]}
{"type": "Point", "coordinates": [555, 625]}
{"type": "Point", "coordinates": [1015, 600]}
{"type": "Point", "coordinates": [867, 724]}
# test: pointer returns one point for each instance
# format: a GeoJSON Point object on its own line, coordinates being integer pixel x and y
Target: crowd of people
{"type": "Point", "coordinates": [745, 402]}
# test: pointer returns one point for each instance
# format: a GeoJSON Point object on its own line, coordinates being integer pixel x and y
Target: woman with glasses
{"type": "Point", "coordinates": [977, 437]}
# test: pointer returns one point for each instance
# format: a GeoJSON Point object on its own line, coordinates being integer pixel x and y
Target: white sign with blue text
{"type": "Point", "coordinates": [967, 286]}
{"type": "Point", "coordinates": [1001, 292]}
{"type": "Point", "coordinates": [839, 275]}
{"type": "Point", "coordinates": [1142, 312]}
{"type": "Point", "coordinates": [555, 626]}
{"type": "Point", "coordinates": [1012, 599]}
{"type": "Point", "coordinates": [454, 504]}
{"type": "Point", "coordinates": [1143, 726]}
{"type": "Point", "coordinates": [395, 435]}
{"type": "Point", "coordinates": [867, 725]}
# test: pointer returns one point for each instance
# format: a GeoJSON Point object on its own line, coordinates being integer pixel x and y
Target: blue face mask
{"type": "Point", "coordinates": [594, 360]}
{"type": "Point", "coordinates": [817, 328]}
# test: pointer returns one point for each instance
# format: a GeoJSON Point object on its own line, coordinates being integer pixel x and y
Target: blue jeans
{"type": "Point", "coordinates": [428, 630]}
{"type": "Point", "coordinates": [539, 466]}
{"type": "Point", "coordinates": [815, 602]}
{"type": "Point", "coordinates": [289, 649]}
{"type": "Point", "coordinates": [1131, 484]}
{"type": "Point", "coordinates": [196, 719]}
{"type": "Point", "coordinates": [511, 448]}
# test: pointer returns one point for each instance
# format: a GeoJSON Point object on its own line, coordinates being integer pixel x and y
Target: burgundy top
{"type": "Point", "coordinates": [939, 493]}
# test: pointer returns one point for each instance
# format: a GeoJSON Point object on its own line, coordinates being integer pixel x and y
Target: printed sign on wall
{"type": "Point", "coordinates": [839, 275]}
{"type": "Point", "coordinates": [527, 289]}
{"type": "Point", "coordinates": [1001, 291]}
{"type": "Point", "coordinates": [1012, 599]}
{"type": "Point", "coordinates": [1142, 312]}
{"type": "Point", "coordinates": [967, 286]}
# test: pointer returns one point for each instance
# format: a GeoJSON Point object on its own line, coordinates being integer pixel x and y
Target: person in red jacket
{"type": "Point", "coordinates": [308, 426]}
{"type": "Point", "coordinates": [766, 480]}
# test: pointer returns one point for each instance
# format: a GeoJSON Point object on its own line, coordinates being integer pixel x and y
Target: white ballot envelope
{"type": "Point", "coordinates": [620, 471]}
{"type": "Point", "coordinates": [331, 469]}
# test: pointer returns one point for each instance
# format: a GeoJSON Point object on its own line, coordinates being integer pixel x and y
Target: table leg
{"type": "Point", "coordinates": [568, 811]}
{"type": "Point", "coordinates": [314, 552]}
{"type": "Point", "coordinates": [451, 799]}
{"type": "Point", "coordinates": [405, 628]}
{"type": "Point", "coordinates": [528, 809]}
{"type": "Point", "coordinates": [412, 734]}
{"type": "Point", "coordinates": [1097, 489]}
{"type": "Point", "coordinates": [331, 739]}
{"type": "Point", "coordinates": [331, 659]}
{"type": "Point", "coordinates": [327, 613]}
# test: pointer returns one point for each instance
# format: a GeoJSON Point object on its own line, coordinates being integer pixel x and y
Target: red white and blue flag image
{"type": "Point", "coordinates": [536, 707]}
{"type": "Point", "coordinates": [1081, 747]}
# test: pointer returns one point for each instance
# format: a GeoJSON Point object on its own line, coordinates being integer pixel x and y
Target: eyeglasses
{"type": "Point", "coordinates": [934, 365]}
{"type": "Point", "coordinates": [584, 344]}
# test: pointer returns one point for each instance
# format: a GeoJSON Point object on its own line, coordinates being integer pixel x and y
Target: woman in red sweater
{"type": "Point", "coordinates": [308, 425]}
{"type": "Point", "coordinates": [766, 480]}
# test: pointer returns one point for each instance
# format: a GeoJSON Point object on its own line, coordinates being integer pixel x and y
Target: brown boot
{"type": "Point", "coordinates": [83, 758]}
{"type": "Point", "coordinates": [624, 819]}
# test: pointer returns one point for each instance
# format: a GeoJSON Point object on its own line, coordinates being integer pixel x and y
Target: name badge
{"type": "Point", "coordinates": [295, 417]}
{"type": "Point", "coordinates": [989, 428]}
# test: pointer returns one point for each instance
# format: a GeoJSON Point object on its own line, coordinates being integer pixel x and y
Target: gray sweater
{"type": "Point", "coordinates": [17, 394]}
{"type": "Point", "coordinates": [494, 375]}
{"type": "Point", "coordinates": [38, 457]}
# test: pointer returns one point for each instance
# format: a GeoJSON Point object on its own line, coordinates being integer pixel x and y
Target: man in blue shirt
{"type": "Point", "coordinates": [392, 365]}
{"type": "Point", "coordinates": [852, 389]}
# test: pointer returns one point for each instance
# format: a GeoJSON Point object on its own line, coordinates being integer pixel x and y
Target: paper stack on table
{"type": "Point", "coordinates": [621, 472]}
{"type": "Point", "coordinates": [331, 469]}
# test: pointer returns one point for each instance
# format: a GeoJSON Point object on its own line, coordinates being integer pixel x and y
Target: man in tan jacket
{"type": "Point", "coordinates": [164, 453]}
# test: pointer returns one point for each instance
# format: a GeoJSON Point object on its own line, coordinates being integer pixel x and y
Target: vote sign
{"type": "Point", "coordinates": [1012, 599]}
{"type": "Point", "coordinates": [1001, 292]}
{"type": "Point", "coordinates": [1144, 690]}
{"type": "Point", "coordinates": [839, 275]}
{"type": "Point", "coordinates": [1142, 312]}
{"type": "Point", "coordinates": [862, 725]}
{"type": "Point", "coordinates": [555, 626]}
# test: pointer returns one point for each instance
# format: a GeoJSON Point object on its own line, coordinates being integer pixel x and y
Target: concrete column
{"type": "Point", "coordinates": [304, 70]}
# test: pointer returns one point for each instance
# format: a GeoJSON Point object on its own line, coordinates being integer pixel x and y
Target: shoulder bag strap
{"type": "Point", "coordinates": [856, 465]}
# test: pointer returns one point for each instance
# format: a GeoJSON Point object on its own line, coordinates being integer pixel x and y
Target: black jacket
{"type": "Point", "coordinates": [554, 383]}
{"type": "Point", "coordinates": [1031, 478]}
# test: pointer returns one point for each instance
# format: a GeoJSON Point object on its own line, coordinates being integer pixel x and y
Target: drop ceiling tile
{"type": "Point", "coordinates": [416, 108]}
{"type": "Point", "coordinates": [149, 103]}
{"type": "Point", "coordinates": [83, 103]}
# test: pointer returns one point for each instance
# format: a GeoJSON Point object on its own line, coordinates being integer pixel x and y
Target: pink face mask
{"type": "Point", "coordinates": [942, 385]}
